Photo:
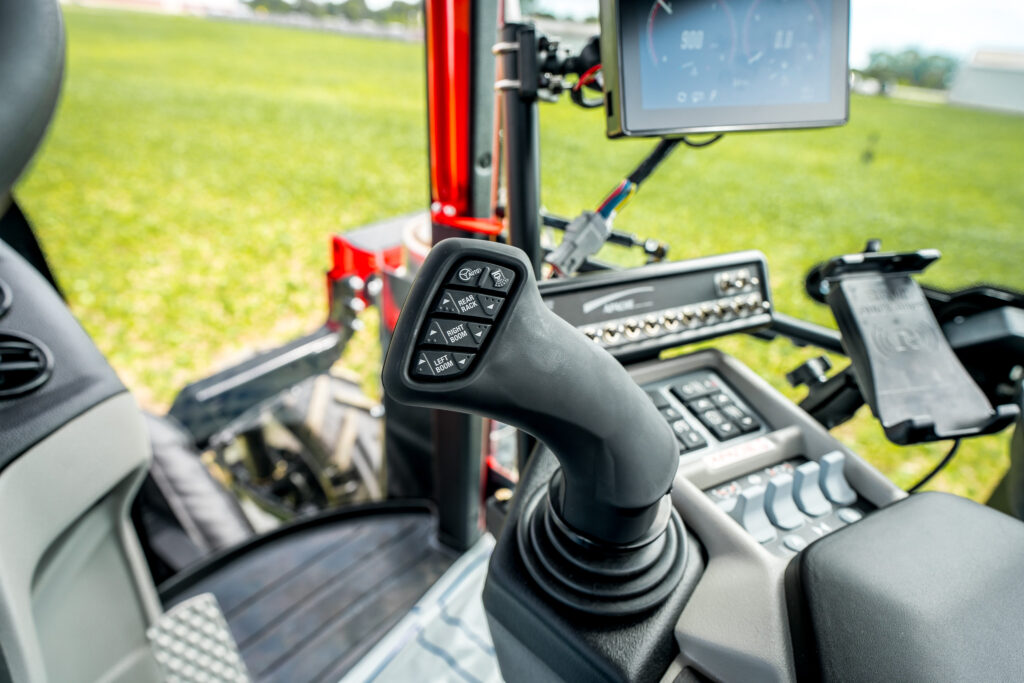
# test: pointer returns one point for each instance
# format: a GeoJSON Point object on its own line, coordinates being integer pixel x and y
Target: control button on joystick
{"type": "Point", "coordinates": [468, 304]}
{"type": "Point", "coordinates": [498, 279]}
{"type": "Point", "coordinates": [441, 363]}
{"type": "Point", "coordinates": [469, 273]}
{"type": "Point", "coordinates": [458, 333]}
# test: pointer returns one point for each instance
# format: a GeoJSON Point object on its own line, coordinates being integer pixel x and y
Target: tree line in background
{"type": "Point", "coordinates": [397, 12]}
{"type": "Point", "coordinates": [911, 67]}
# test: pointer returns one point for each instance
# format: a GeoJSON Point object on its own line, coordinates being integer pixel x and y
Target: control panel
{"type": "Point", "coordinates": [789, 504]}
{"type": "Point", "coordinates": [461, 319]}
{"type": "Point", "coordinates": [703, 410]}
{"type": "Point", "coordinates": [636, 313]}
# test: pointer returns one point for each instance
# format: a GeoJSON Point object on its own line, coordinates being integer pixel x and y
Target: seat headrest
{"type": "Point", "coordinates": [31, 70]}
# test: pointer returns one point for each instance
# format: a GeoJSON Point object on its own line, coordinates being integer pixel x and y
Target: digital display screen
{"type": "Point", "coordinates": [735, 53]}
{"type": "Point", "coordinates": [720, 65]}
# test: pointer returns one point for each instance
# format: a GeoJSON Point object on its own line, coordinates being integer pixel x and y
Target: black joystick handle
{"type": "Point", "coordinates": [475, 336]}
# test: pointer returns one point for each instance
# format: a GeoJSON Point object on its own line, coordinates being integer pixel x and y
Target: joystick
{"type": "Point", "coordinates": [474, 336]}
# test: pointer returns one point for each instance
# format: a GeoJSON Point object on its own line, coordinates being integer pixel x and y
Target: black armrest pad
{"type": "Point", "coordinates": [930, 588]}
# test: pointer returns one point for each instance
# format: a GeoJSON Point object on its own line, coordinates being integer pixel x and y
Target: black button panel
{"type": "Point", "coordinates": [703, 409]}
{"type": "Point", "coordinates": [463, 316]}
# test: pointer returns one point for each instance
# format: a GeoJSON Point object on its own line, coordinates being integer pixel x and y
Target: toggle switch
{"type": "Point", "coordinates": [748, 510]}
{"type": "Point", "coordinates": [833, 481]}
{"type": "Point", "coordinates": [779, 505]}
{"type": "Point", "coordinates": [807, 490]}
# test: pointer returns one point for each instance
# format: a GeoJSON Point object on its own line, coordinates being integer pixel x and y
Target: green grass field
{"type": "Point", "coordinates": [196, 169]}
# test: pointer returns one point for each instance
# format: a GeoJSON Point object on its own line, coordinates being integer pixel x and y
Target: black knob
{"type": "Point", "coordinates": [475, 336]}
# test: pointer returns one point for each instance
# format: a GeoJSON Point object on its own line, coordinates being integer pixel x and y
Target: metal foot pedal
{"type": "Point", "coordinates": [906, 370]}
{"type": "Point", "coordinates": [192, 644]}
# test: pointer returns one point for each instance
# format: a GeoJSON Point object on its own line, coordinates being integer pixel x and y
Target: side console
{"type": "Point", "coordinates": [757, 484]}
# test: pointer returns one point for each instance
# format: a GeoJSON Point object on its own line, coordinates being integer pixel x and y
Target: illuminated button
{"type": "Point", "coordinates": [686, 316]}
{"type": "Point", "coordinates": [652, 325]}
{"type": "Point", "coordinates": [632, 329]}
{"type": "Point", "coordinates": [441, 363]}
{"type": "Point", "coordinates": [670, 321]}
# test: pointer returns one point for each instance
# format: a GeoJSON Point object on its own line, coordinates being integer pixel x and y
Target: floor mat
{"type": "Point", "coordinates": [444, 638]}
{"type": "Point", "coordinates": [308, 607]}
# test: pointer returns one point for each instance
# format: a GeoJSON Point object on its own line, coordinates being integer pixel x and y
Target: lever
{"type": "Point", "coordinates": [474, 336]}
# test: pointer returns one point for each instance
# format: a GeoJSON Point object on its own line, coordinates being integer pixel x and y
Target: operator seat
{"type": "Point", "coordinates": [76, 595]}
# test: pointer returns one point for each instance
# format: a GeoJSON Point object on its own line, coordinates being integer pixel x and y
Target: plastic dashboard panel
{"type": "Point", "coordinates": [743, 577]}
{"type": "Point", "coordinates": [81, 377]}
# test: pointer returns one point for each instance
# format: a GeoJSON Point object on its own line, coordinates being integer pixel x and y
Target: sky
{"type": "Point", "coordinates": [957, 27]}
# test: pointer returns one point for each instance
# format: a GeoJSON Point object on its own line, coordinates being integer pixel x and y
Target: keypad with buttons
{"type": "Point", "coordinates": [461, 319]}
{"type": "Point", "coordinates": [703, 409]}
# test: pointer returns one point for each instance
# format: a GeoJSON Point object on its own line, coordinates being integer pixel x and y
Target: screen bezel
{"type": "Point", "coordinates": [640, 122]}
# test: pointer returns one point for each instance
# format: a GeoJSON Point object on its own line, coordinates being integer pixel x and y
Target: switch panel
{"type": "Point", "coordinates": [703, 410]}
{"type": "Point", "coordinates": [462, 319]}
{"type": "Point", "coordinates": [776, 491]}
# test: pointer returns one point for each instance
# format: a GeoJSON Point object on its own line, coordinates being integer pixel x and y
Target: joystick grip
{"type": "Point", "coordinates": [475, 336]}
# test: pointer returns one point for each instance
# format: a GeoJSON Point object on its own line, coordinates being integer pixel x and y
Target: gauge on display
{"type": "Point", "coordinates": [688, 66]}
{"type": "Point", "coordinates": [784, 41]}
{"type": "Point", "coordinates": [690, 44]}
